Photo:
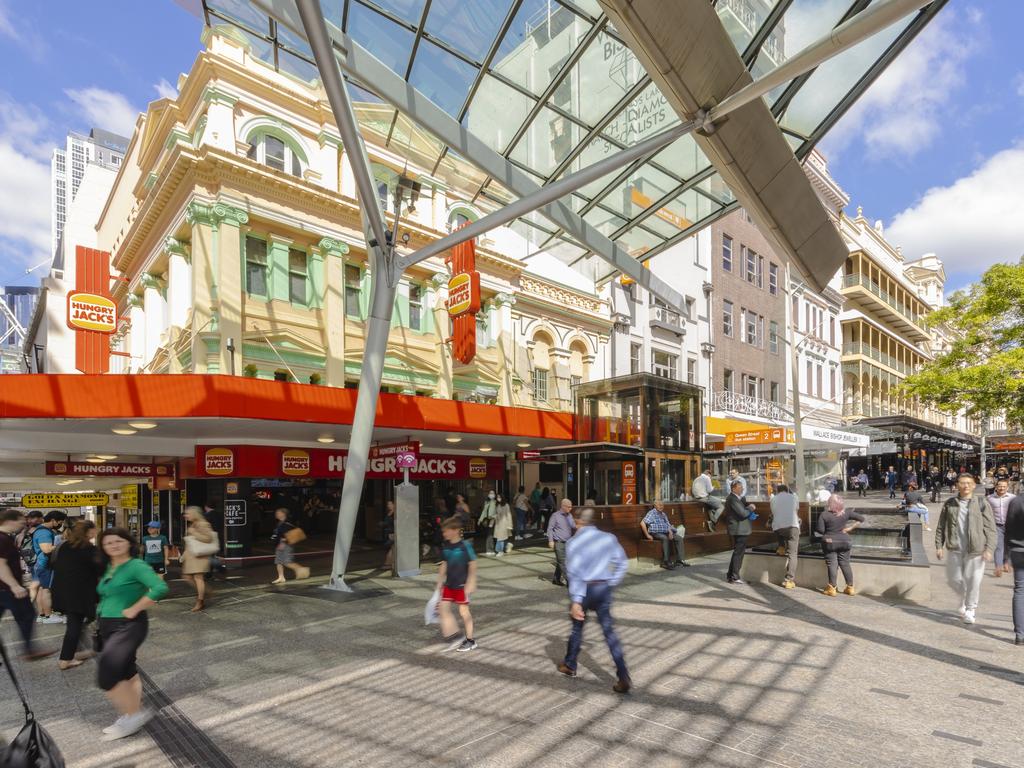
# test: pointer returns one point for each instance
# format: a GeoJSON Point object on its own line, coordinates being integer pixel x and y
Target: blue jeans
{"type": "Point", "coordinates": [1017, 558]}
{"type": "Point", "coordinates": [599, 600]}
{"type": "Point", "coordinates": [499, 545]}
{"type": "Point", "coordinates": [24, 615]}
{"type": "Point", "coordinates": [1001, 557]}
{"type": "Point", "coordinates": [520, 522]}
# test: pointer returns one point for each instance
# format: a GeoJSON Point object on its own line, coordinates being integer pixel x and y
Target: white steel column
{"type": "Point", "coordinates": [137, 334]}
{"type": "Point", "coordinates": [179, 282]}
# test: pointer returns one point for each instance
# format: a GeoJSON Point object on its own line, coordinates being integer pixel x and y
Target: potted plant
{"type": "Point", "coordinates": [314, 378]}
{"type": "Point", "coordinates": [249, 371]}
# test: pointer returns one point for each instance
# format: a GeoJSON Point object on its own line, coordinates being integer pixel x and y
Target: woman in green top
{"type": "Point", "coordinates": [127, 589]}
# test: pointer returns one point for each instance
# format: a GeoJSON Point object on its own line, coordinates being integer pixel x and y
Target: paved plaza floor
{"type": "Point", "coordinates": [724, 676]}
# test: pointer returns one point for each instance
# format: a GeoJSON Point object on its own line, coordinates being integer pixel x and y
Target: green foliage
{"type": "Point", "coordinates": [983, 370]}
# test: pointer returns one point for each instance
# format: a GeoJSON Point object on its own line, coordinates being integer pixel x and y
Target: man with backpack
{"type": "Point", "coordinates": [44, 541]}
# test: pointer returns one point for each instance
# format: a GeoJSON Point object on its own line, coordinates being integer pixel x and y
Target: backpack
{"type": "Point", "coordinates": [27, 551]}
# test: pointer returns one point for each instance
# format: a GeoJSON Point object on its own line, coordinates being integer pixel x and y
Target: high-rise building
{"type": "Point", "coordinates": [16, 306]}
{"type": "Point", "coordinates": [67, 167]}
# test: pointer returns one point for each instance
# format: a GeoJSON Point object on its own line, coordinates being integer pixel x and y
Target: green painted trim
{"type": "Point", "coordinates": [396, 372]}
{"type": "Point", "coordinates": [324, 139]}
{"type": "Point", "coordinates": [175, 136]}
{"type": "Point", "coordinates": [263, 353]}
{"type": "Point", "coordinates": [151, 179]}
{"type": "Point", "coordinates": [258, 127]}
{"type": "Point", "coordinates": [214, 95]}
{"type": "Point", "coordinates": [197, 134]}
{"type": "Point", "coordinates": [214, 214]}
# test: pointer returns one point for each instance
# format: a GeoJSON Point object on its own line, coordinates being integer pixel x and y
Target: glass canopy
{"type": "Point", "coordinates": [551, 86]}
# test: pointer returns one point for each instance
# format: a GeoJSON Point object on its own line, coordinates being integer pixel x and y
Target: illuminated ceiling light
{"type": "Point", "coordinates": [95, 460]}
{"type": "Point", "coordinates": [68, 482]}
{"type": "Point", "coordinates": [453, 439]}
{"type": "Point", "coordinates": [523, 445]}
{"type": "Point", "coordinates": [123, 431]}
{"type": "Point", "coordinates": [142, 424]}
{"type": "Point", "coordinates": [325, 439]}
{"type": "Point", "coordinates": [485, 448]}
{"type": "Point", "coordinates": [106, 456]}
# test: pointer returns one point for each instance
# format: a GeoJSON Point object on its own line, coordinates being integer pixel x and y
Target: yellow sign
{"type": "Point", "coordinates": [295, 462]}
{"type": "Point", "coordinates": [129, 497]}
{"type": "Point", "coordinates": [460, 293]}
{"type": "Point", "coordinates": [91, 312]}
{"type": "Point", "coordinates": [40, 500]}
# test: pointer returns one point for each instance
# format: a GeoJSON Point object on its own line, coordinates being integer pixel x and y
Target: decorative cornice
{"type": "Point", "coordinates": [214, 95]}
{"type": "Point", "coordinates": [149, 280]}
{"type": "Point", "coordinates": [324, 138]}
{"type": "Point", "coordinates": [173, 245]}
{"type": "Point", "coordinates": [134, 300]}
{"type": "Point", "coordinates": [332, 247]}
{"type": "Point", "coordinates": [176, 135]}
{"type": "Point", "coordinates": [559, 295]}
{"type": "Point", "coordinates": [214, 214]}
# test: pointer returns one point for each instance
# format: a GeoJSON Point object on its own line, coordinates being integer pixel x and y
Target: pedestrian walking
{"type": "Point", "coordinates": [388, 531]}
{"type": "Point", "coordinates": [738, 517]}
{"type": "Point", "coordinates": [834, 526]}
{"type": "Point", "coordinates": [456, 580]}
{"type": "Point", "coordinates": [33, 519]}
{"type": "Point", "coordinates": [545, 508]}
{"type": "Point", "coordinates": [965, 536]}
{"type": "Point", "coordinates": [703, 490]}
{"type": "Point", "coordinates": [561, 527]}
{"type": "Point", "coordinates": [596, 564]}
{"type": "Point", "coordinates": [521, 509]}
{"type": "Point", "coordinates": [200, 544]}
{"type": "Point", "coordinates": [656, 526]}
{"type": "Point", "coordinates": [283, 538]}
{"type": "Point", "coordinates": [503, 526]}
{"type": "Point", "coordinates": [891, 480]}
{"type": "Point", "coordinates": [951, 480]}
{"type": "Point", "coordinates": [128, 587]}
{"type": "Point", "coordinates": [862, 483]}
{"type": "Point", "coordinates": [76, 574]}
{"type": "Point", "coordinates": [44, 539]}
{"type": "Point", "coordinates": [1000, 503]}
{"type": "Point", "coordinates": [935, 482]}
{"type": "Point", "coordinates": [785, 522]}
{"type": "Point", "coordinates": [913, 503]}
{"type": "Point", "coordinates": [1015, 545]}
{"type": "Point", "coordinates": [13, 596]}
{"type": "Point", "coordinates": [485, 523]}
{"type": "Point", "coordinates": [156, 549]}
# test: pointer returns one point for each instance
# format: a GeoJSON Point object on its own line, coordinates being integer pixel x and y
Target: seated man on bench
{"type": "Point", "coordinates": [656, 525]}
{"type": "Point", "coordinates": [703, 489]}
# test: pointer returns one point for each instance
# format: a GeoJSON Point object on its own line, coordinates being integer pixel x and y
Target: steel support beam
{"type": "Point", "coordinates": [383, 282]}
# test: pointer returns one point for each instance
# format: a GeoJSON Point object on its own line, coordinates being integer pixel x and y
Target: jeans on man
{"type": "Point", "coordinates": [1002, 557]}
{"type": "Point", "coordinates": [667, 545]}
{"type": "Point", "coordinates": [560, 573]}
{"type": "Point", "coordinates": [965, 573]}
{"type": "Point", "coordinates": [1017, 559]}
{"type": "Point", "coordinates": [24, 615]}
{"type": "Point", "coordinates": [739, 548]}
{"type": "Point", "coordinates": [520, 522]}
{"type": "Point", "coordinates": [599, 600]}
{"type": "Point", "coordinates": [789, 540]}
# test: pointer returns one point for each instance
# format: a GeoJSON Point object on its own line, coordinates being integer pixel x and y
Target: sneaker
{"type": "Point", "coordinates": [566, 670]}
{"type": "Point", "coordinates": [789, 584]}
{"type": "Point", "coordinates": [849, 590]}
{"type": "Point", "coordinates": [830, 591]}
{"type": "Point", "coordinates": [737, 581]}
{"type": "Point", "coordinates": [683, 563]}
{"type": "Point", "coordinates": [128, 725]}
{"type": "Point", "coordinates": [51, 619]}
{"type": "Point", "coordinates": [961, 611]}
{"type": "Point", "coordinates": [454, 645]}
{"type": "Point", "coordinates": [467, 645]}
{"type": "Point", "coordinates": [111, 728]}
{"type": "Point", "coordinates": [968, 617]}
{"type": "Point", "coordinates": [500, 554]}
{"type": "Point", "coordinates": [668, 566]}
{"type": "Point", "coordinates": [710, 526]}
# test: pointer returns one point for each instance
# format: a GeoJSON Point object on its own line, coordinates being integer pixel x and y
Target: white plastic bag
{"type": "Point", "coordinates": [430, 611]}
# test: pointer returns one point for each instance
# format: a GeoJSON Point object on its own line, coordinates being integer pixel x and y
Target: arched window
{"type": "Point", "coordinates": [275, 151]}
{"type": "Point", "coordinates": [459, 216]}
{"type": "Point", "coordinates": [542, 344]}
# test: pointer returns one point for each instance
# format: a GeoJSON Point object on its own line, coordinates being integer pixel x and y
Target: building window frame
{"type": "Point", "coordinates": [664, 364]}
{"type": "Point", "coordinates": [416, 293]}
{"type": "Point", "coordinates": [636, 352]}
{"type": "Point", "coordinates": [773, 279]}
{"type": "Point", "coordinates": [298, 276]}
{"type": "Point", "coordinates": [353, 275]}
{"type": "Point", "coordinates": [727, 253]}
{"type": "Point", "coordinates": [539, 383]}
{"type": "Point", "coordinates": [728, 316]}
{"type": "Point", "coordinates": [773, 337]}
{"type": "Point", "coordinates": [275, 150]}
{"type": "Point", "coordinates": [257, 264]}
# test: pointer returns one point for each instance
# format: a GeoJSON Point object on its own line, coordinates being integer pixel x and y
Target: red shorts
{"type": "Point", "coordinates": [456, 595]}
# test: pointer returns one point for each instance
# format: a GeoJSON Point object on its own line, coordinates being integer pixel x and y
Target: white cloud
{"type": "Point", "coordinates": [105, 109]}
{"type": "Point", "coordinates": [23, 34]}
{"type": "Point", "coordinates": [24, 186]}
{"type": "Point", "coordinates": [971, 224]}
{"type": "Point", "coordinates": [6, 25]}
{"type": "Point", "coordinates": [165, 90]}
{"type": "Point", "coordinates": [902, 112]}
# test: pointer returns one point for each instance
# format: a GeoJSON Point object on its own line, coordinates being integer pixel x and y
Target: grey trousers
{"type": "Point", "coordinates": [560, 572]}
{"type": "Point", "coordinates": [1017, 558]}
{"type": "Point", "coordinates": [789, 539]}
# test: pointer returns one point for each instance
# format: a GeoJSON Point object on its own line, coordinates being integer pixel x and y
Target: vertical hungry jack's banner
{"type": "Point", "coordinates": [463, 300]}
{"type": "Point", "coordinates": [92, 314]}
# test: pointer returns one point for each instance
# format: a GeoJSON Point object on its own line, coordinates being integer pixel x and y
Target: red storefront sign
{"type": "Point", "coordinates": [92, 314]}
{"type": "Point", "coordinates": [109, 469]}
{"type": "Point", "coordinates": [463, 300]}
{"type": "Point", "coordinates": [275, 461]}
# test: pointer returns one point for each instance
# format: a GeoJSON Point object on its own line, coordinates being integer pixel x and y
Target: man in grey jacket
{"type": "Point", "coordinates": [966, 536]}
{"type": "Point", "coordinates": [738, 516]}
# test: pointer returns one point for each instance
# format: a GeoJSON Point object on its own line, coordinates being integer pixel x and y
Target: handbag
{"type": "Point", "coordinates": [198, 548]}
{"type": "Point", "coordinates": [293, 536]}
{"type": "Point", "coordinates": [32, 747]}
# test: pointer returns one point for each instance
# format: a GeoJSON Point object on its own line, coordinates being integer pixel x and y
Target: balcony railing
{"type": "Point", "coordinates": [736, 402]}
{"type": "Point", "coordinates": [859, 279]}
{"type": "Point", "coordinates": [859, 348]}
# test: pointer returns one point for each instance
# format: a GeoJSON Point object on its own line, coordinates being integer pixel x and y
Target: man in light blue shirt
{"type": "Point", "coordinates": [595, 563]}
{"type": "Point", "coordinates": [736, 477]}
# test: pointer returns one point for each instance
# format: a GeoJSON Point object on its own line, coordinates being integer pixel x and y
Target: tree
{"type": "Point", "coordinates": [983, 370]}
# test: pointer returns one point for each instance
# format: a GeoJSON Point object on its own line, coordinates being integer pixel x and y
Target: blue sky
{"type": "Point", "coordinates": [935, 150]}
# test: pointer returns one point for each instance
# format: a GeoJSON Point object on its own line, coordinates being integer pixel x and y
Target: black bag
{"type": "Point", "coordinates": [32, 747]}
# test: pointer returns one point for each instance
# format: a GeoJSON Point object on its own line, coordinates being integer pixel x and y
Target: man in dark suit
{"type": "Point", "coordinates": [738, 516]}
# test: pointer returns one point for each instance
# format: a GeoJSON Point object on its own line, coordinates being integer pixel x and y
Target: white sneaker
{"type": "Point", "coordinates": [961, 611]}
{"type": "Point", "coordinates": [128, 725]}
{"type": "Point", "coordinates": [968, 617]}
{"type": "Point", "coordinates": [500, 554]}
{"type": "Point", "coordinates": [51, 619]}
{"type": "Point", "coordinates": [117, 723]}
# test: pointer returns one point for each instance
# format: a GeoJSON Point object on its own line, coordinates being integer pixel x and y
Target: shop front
{"type": "Point", "coordinates": [245, 484]}
{"type": "Point", "coordinates": [767, 457]}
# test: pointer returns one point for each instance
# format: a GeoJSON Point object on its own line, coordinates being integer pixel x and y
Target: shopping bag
{"type": "Point", "coordinates": [32, 747]}
{"type": "Point", "coordinates": [430, 611]}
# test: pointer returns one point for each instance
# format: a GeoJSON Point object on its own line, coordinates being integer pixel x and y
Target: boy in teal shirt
{"type": "Point", "coordinates": [156, 550]}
